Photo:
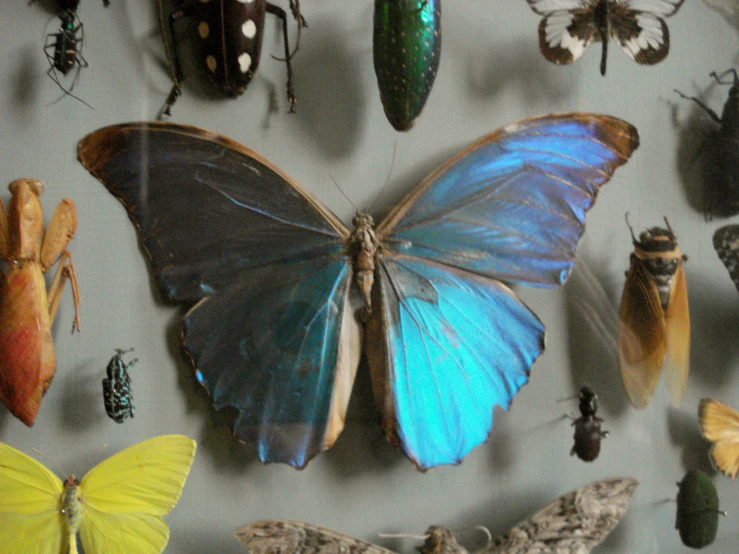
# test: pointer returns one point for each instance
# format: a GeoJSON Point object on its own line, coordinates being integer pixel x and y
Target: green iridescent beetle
{"type": "Point", "coordinates": [407, 47]}
{"type": "Point", "coordinates": [697, 509]}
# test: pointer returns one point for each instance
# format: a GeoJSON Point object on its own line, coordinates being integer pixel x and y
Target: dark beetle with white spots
{"type": "Point", "coordinates": [231, 34]}
{"type": "Point", "coordinates": [117, 393]}
{"type": "Point", "coordinates": [720, 154]}
{"type": "Point", "coordinates": [587, 427]}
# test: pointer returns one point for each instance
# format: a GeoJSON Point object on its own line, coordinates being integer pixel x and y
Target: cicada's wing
{"type": "Point", "coordinates": [271, 335]}
{"type": "Point", "coordinates": [447, 341]}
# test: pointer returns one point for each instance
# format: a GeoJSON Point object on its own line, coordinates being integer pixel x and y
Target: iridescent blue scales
{"type": "Point", "coordinates": [117, 394]}
{"type": "Point", "coordinates": [273, 331]}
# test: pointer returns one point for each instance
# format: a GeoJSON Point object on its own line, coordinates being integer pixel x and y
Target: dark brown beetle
{"type": "Point", "coordinates": [231, 33]}
{"type": "Point", "coordinates": [587, 427]}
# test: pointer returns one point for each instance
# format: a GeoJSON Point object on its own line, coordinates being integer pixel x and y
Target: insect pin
{"type": "Point", "coordinates": [654, 322]}
{"type": "Point", "coordinates": [721, 151]}
{"type": "Point", "coordinates": [27, 309]}
{"type": "Point", "coordinates": [587, 427]}
{"type": "Point", "coordinates": [64, 51]}
{"type": "Point", "coordinates": [117, 394]}
{"type": "Point", "coordinates": [570, 26]}
{"type": "Point", "coordinates": [231, 32]}
{"type": "Point", "coordinates": [697, 509]}
{"type": "Point", "coordinates": [406, 47]}
{"type": "Point", "coordinates": [726, 243]}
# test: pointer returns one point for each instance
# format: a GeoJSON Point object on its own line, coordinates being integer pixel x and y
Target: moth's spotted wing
{"type": "Point", "coordinates": [726, 243]}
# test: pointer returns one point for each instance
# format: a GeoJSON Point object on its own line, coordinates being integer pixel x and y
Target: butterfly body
{"type": "Point", "coordinates": [570, 26]}
{"type": "Point", "coordinates": [117, 394]}
{"type": "Point", "coordinates": [116, 507]}
{"type": "Point", "coordinates": [271, 273]}
{"type": "Point", "coordinates": [231, 32]}
{"type": "Point", "coordinates": [654, 322]}
{"type": "Point", "coordinates": [27, 308]}
{"type": "Point", "coordinates": [406, 48]}
{"type": "Point", "coordinates": [588, 433]}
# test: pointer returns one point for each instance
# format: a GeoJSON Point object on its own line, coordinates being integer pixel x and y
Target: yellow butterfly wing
{"type": "Point", "coordinates": [30, 519]}
{"type": "Point", "coordinates": [125, 496]}
{"type": "Point", "coordinates": [720, 425]}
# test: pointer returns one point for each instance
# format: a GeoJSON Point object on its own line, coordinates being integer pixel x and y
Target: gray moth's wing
{"type": "Point", "coordinates": [294, 537]}
{"type": "Point", "coordinates": [574, 523]}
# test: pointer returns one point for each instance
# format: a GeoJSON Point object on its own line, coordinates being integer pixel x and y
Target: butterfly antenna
{"type": "Point", "coordinates": [51, 462]}
{"type": "Point", "coordinates": [343, 193]}
{"type": "Point", "coordinates": [387, 179]}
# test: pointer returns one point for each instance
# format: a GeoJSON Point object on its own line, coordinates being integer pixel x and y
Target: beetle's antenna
{"type": "Point", "coordinates": [633, 238]}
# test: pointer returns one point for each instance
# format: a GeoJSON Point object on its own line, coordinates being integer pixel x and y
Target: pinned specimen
{"type": "Point", "coordinates": [720, 152]}
{"type": "Point", "coordinates": [231, 32]}
{"type": "Point", "coordinates": [406, 47]}
{"type": "Point", "coordinates": [654, 323]}
{"type": "Point", "coordinates": [27, 309]}
{"type": "Point", "coordinates": [726, 243]}
{"type": "Point", "coordinates": [720, 425]}
{"type": "Point", "coordinates": [117, 394]}
{"type": "Point", "coordinates": [697, 509]}
{"type": "Point", "coordinates": [570, 26]}
{"type": "Point", "coordinates": [117, 507]}
{"type": "Point", "coordinates": [273, 333]}
{"type": "Point", "coordinates": [64, 51]}
{"type": "Point", "coordinates": [573, 523]}
{"type": "Point", "coordinates": [587, 427]}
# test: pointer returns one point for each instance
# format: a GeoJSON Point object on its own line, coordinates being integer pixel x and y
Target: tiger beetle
{"type": "Point", "coordinates": [231, 32]}
{"type": "Point", "coordinates": [64, 51]}
{"type": "Point", "coordinates": [117, 394]}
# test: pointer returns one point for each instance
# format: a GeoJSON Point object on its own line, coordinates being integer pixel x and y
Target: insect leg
{"type": "Point", "coordinates": [708, 110]}
{"type": "Point", "coordinates": [279, 12]}
{"type": "Point", "coordinates": [718, 78]}
{"type": "Point", "coordinates": [173, 57]}
{"type": "Point", "coordinates": [65, 271]}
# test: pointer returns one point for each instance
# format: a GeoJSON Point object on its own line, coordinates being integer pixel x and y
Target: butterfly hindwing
{"type": "Point", "coordinates": [30, 520]}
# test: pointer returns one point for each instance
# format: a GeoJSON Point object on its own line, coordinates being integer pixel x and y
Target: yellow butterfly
{"type": "Point", "coordinates": [720, 425]}
{"type": "Point", "coordinates": [117, 508]}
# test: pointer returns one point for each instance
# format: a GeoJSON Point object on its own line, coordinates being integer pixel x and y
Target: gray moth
{"type": "Point", "coordinates": [574, 523]}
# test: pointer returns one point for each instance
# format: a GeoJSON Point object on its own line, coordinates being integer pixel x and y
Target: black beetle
{"type": "Point", "coordinates": [587, 427]}
{"type": "Point", "coordinates": [697, 509]}
{"type": "Point", "coordinates": [117, 394]}
{"type": "Point", "coordinates": [721, 151]}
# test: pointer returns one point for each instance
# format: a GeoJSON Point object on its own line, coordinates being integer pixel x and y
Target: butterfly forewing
{"type": "Point", "coordinates": [30, 519]}
{"type": "Point", "coordinates": [512, 205]}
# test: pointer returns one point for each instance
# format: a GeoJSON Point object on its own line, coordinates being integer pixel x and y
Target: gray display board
{"type": "Point", "coordinates": [491, 73]}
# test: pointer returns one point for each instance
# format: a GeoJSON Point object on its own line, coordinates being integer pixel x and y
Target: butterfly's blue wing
{"type": "Point", "coordinates": [449, 341]}
{"type": "Point", "coordinates": [225, 227]}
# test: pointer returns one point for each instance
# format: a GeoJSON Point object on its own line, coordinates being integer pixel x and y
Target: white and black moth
{"type": "Point", "coordinates": [574, 523]}
{"type": "Point", "coordinates": [726, 243]}
{"type": "Point", "coordinates": [117, 394]}
{"type": "Point", "coordinates": [570, 26]}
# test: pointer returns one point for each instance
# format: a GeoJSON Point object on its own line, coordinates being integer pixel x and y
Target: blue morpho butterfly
{"type": "Point", "coordinates": [274, 332]}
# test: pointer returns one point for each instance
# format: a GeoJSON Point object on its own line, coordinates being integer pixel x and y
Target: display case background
{"type": "Point", "coordinates": [491, 73]}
